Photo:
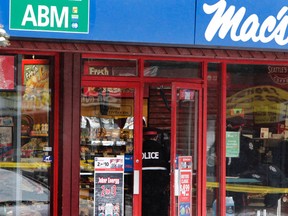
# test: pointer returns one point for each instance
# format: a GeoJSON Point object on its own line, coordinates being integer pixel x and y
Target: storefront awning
{"type": "Point", "coordinates": [143, 50]}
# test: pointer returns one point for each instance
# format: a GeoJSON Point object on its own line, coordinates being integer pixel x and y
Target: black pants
{"type": "Point", "coordinates": [155, 199]}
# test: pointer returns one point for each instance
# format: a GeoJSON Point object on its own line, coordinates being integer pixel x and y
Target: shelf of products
{"type": "Point", "coordinates": [34, 137]}
{"type": "Point", "coordinates": [103, 137]}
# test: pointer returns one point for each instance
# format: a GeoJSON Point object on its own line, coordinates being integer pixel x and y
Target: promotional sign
{"type": "Point", "coordinates": [232, 144]}
{"type": "Point", "coordinates": [185, 181]}
{"type": "Point", "coordinates": [267, 103]}
{"type": "Point", "coordinates": [36, 95]}
{"type": "Point", "coordinates": [109, 186]}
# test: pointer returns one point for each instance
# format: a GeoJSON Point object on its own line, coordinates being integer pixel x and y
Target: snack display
{"type": "Point", "coordinates": [33, 148]}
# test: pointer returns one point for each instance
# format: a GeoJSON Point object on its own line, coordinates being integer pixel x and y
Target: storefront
{"type": "Point", "coordinates": [79, 90]}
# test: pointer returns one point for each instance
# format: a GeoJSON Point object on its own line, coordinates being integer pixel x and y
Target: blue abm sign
{"type": "Point", "coordinates": [144, 21]}
{"type": "Point", "coordinates": [245, 23]}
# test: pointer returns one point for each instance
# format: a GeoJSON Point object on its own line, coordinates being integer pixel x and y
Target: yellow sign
{"type": "Point", "coordinates": [267, 103]}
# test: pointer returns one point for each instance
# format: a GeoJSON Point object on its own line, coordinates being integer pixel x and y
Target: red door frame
{"type": "Point", "coordinates": [139, 83]}
{"type": "Point", "coordinates": [55, 83]}
{"type": "Point", "coordinates": [200, 164]}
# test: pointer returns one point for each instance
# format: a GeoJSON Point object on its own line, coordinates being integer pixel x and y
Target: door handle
{"type": "Point", "coordinates": [136, 179]}
{"type": "Point", "coordinates": [176, 182]}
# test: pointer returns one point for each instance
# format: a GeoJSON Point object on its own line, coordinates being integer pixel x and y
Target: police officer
{"type": "Point", "coordinates": [249, 165]}
{"type": "Point", "coordinates": [155, 182]}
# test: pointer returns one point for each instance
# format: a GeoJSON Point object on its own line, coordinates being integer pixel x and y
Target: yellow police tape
{"type": "Point", "coordinates": [242, 188]}
{"type": "Point", "coordinates": [25, 165]}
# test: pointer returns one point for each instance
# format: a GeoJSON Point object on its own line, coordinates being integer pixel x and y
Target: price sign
{"type": "Point", "coordinates": [109, 186]}
{"type": "Point", "coordinates": [185, 186]}
{"type": "Point", "coordinates": [109, 164]}
{"type": "Point", "coordinates": [185, 181]}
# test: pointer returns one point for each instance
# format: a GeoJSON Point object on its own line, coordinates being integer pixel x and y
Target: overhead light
{"type": "Point", "coordinates": [3, 37]}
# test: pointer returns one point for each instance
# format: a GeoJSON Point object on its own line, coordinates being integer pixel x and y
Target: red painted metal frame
{"type": "Point", "coordinates": [56, 135]}
{"type": "Point", "coordinates": [222, 180]}
{"type": "Point", "coordinates": [173, 150]}
{"type": "Point", "coordinates": [202, 208]}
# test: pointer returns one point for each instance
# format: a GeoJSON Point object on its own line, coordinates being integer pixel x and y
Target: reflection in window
{"type": "Point", "coordinates": [256, 153]}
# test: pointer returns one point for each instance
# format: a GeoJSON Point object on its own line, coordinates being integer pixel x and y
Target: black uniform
{"type": "Point", "coordinates": [155, 197]}
{"type": "Point", "coordinates": [248, 157]}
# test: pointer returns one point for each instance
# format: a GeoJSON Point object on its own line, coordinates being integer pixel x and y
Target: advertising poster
{"type": "Point", "coordinates": [109, 186]}
{"type": "Point", "coordinates": [36, 95]}
{"type": "Point", "coordinates": [185, 181]}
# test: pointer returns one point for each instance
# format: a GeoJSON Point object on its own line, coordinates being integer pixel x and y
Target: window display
{"type": "Point", "coordinates": [25, 149]}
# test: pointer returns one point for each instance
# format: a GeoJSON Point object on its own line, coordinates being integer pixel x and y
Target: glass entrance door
{"type": "Point", "coordinates": [170, 152]}
{"type": "Point", "coordinates": [186, 107]}
{"type": "Point", "coordinates": [108, 143]}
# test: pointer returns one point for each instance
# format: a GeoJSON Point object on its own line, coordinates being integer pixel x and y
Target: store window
{"type": "Point", "coordinates": [256, 138]}
{"type": "Point", "coordinates": [25, 148]}
{"type": "Point", "coordinates": [172, 69]}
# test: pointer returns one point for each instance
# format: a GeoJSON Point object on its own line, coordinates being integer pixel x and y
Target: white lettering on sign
{"type": "Point", "coordinates": [46, 16]}
{"type": "Point", "coordinates": [277, 69]}
{"type": "Point", "coordinates": [228, 19]}
{"type": "Point", "coordinates": [150, 155]}
{"type": "Point", "coordinates": [99, 71]}
{"type": "Point", "coordinates": [113, 180]}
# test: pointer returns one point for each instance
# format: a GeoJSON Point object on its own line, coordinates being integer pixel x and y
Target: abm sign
{"type": "Point", "coordinates": [50, 15]}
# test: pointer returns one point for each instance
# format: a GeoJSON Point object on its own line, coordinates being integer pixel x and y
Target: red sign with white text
{"type": "Point", "coordinates": [185, 181]}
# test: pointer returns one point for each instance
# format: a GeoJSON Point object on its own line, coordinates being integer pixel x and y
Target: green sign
{"type": "Point", "coordinates": [50, 15]}
{"type": "Point", "coordinates": [232, 144]}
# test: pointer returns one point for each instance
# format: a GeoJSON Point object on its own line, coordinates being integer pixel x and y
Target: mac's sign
{"type": "Point", "coordinates": [245, 23]}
